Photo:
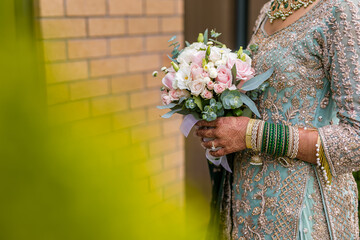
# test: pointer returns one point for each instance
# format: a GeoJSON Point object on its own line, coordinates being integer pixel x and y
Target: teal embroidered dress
{"type": "Point", "coordinates": [316, 80]}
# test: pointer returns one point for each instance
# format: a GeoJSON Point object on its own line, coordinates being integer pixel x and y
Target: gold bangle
{"type": "Point", "coordinates": [296, 143]}
{"type": "Point", "coordinates": [254, 134]}
{"type": "Point", "coordinates": [248, 133]}
{"type": "Point", "coordinates": [260, 137]}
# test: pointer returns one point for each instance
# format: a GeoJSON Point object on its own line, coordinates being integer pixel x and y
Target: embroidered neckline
{"type": "Point", "coordinates": [303, 17]}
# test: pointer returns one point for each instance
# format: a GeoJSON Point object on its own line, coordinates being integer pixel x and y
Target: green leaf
{"type": "Point", "coordinates": [247, 112]}
{"type": "Point", "coordinates": [217, 42]}
{"type": "Point", "coordinates": [214, 34]}
{"type": "Point", "coordinates": [187, 43]}
{"type": "Point", "coordinates": [247, 52]}
{"type": "Point", "coordinates": [198, 102]}
{"type": "Point", "coordinates": [248, 102]}
{"type": "Point", "coordinates": [206, 36]}
{"type": "Point", "coordinates": [173, 44]}
{"type": "Point", "coordinates": [255, 82]}
{"type": "Point", "coordinates": [172, 38]}
{"type": "Point", "coordinates": [234, 73]}
{"type": "Point", "coordinates": [238, 112]}
{"type": "Point", "coordinates": [169, 114]}
{"type": "Point", "coordinates": [171, 105]}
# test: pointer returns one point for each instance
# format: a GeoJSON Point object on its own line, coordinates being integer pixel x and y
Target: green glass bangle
{"type": "Point", "coordinates": [272, 137]}
{"type": "Point", "coordinates": [281, 149]}
{"type": "Point", "coordinates": [264, 140]}
{"type": "Point", "coordinates": [279, 140]}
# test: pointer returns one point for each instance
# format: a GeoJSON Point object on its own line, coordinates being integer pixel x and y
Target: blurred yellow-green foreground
{"type": "Point", "coordinates": [56, 186]}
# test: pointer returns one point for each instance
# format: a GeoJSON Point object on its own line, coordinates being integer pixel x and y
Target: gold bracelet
{"type": "Point", "coordinates": [296, 143]}
{"type": "Point", "coordinates": [254, 134]}
{"type": "Point", "coordinates": [248, 133]}
{"type": "Point", "coordinates": [260, 137]}
{"type": "Point", "coordinates": [323, 164]}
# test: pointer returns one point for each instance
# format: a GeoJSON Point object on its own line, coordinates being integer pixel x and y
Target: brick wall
{"type": "Point", "coordinates": [99, 58]}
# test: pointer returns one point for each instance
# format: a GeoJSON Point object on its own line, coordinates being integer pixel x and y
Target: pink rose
{"type": "Point", "coordinates": [205, 75]}
{"type": "Point", "coordinates": [196, 87]}
{"type": "Point", "coordinates": [207, 94]}
{"type": "Point", "coordinates": [224, 75]}
{"type": "Point", "coordinates": [165, 98]}
{"type": "Point", "coordinates": [219, 88]}
{"type": "Point", "coordinates": [196, 71]}
{"type": "Point", "coordinates": [243, 70]}
{"type": "Point", "coordinates": [198, 58]}
{"type": "Point", "coordinates": [169, 78]}
{"type": "Point", "coordinates": [210, 85]}
{"type": "Point", "coordinates": [177, 94]}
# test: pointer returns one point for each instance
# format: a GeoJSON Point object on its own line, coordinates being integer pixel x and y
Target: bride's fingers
{"type": "Point", "coordinates": [219, 153]}
{"type": "Point", "coordinates": [206, 133]}
{"type": "Point", "coordinates": [210, 144]}
{"type": "Point", "coordinates": [204, 123]}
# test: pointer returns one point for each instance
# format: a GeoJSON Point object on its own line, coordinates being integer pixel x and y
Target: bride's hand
{"type": "Point", "coordinates": [228, 133]}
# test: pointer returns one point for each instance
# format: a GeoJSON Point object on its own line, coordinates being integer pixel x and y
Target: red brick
{"type": "Point", "coordinates": [106, 26]}
{"type": "Point", "coordinates": [127, 83]}
{"type": "Point", "coordinates": [89, 88]}
{"type": "Point", "coordinates": [60, 72]}
{"type": "Point", "coordinates": [87, 48]}
{"type": "Point", "coordinates": [172, 24]}
{"type": "Point", "coordinates": [108, 66]}
{"type": "Point", "coordinates": [127, 45]}
{"type": "Point", "coordinates": [129, 119]}
{"type": "Point", "coordinates": [160, 7]}
{"type": "Point", "coordinates": [174, 159]}
{"type": "Point", "coordinates": [62, 28]}
{"type": "Point", "coordinates": [145, 98]}
{"type": "Point", "coordinates": [144, 63]}
{"type": "Point", "coordinates": [109, 104]}
{"type": "Point", "coordinates": [51, 8]}
{"type": "Point", "coordinates": [85, 7]}
{"type": "Point", "coordinates": [125, 7]}
{"type": "Point", "coordinates": [145, 133]}
{"type": "Point", "coordinates": [165, 145]}
{"type": "Point", "coordinates": [143, 25]}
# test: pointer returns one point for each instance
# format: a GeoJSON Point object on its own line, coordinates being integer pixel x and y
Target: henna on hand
{"type": "Point", "coordinates": [227, 132]}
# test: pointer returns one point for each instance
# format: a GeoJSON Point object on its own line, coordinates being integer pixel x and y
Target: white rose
{"type": "Point", "coordinates": [215, 54]}
{"type": "Point", "coordinates": [196, 87]}
{"type": "Point", "coordinates": [182, 78]}
{"type": "Point", "coordinates": [213, 73]}
{"type": "Point", "coordinates": [248, 59]}
{"type": "Point", "coordinates": [220, 63]}
{"type": "Point", "coordinates": [230, 56]}
{"type": "Point", "coordinates": [206, 80]}
{"type": "Point", "coordinates": [186, 56]}
{"type": "Point", "coordinates": [197, 46]}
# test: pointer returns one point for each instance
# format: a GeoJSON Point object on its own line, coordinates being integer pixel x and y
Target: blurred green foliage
{"type": "Point", "coordinates": [54, 186]}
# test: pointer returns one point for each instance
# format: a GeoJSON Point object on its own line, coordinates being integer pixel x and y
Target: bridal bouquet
{"type": "Point", "coordinates": [207, 80]}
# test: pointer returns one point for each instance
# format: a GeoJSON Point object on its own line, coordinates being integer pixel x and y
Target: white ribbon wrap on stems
{"type": "Point", "coordinates": [186, 126]}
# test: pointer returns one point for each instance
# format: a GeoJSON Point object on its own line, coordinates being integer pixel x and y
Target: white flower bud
{"type": "Point", "coordinates": [163, 69]}
{"type": "Point", "coordinates": [155, 73]}
{"type": "Point", "coordinates": [213, 73]}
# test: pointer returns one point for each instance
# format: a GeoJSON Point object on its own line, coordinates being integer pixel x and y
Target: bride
{"type": "Point", "coordinates": [292, 171]}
